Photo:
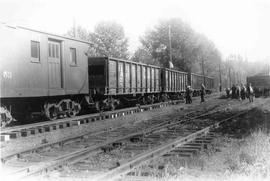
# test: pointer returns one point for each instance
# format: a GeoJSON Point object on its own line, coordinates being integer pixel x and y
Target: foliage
{"type": "Point", "coordinates": [188, 48]}
{"type": "Point", "coordinates": [108, 39]}
{"type": "Point", "coordinates": [144, 56]}
{"type": "Point", "coordinates": [79, 33]}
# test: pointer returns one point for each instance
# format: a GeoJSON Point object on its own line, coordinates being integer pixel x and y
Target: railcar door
{"type": "Point", "coordinates": [54, 65]}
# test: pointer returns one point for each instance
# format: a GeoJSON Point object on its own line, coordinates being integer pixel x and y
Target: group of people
{"type": "Point", "coordinates": [241, 92]}
{"type": "Point", "coordinates": [189, 92]}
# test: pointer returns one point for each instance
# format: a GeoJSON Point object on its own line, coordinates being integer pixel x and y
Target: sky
{"type": "Point", "coordinates": [235, 26]}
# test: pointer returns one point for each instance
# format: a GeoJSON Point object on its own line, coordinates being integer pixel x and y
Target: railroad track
{"type": "Point", "coordinates": [20, 131]}
{"type": "Point", "coordinates": [183, 146]}
{"type": "Point", "coordinates": [47, 126]}
{"type": "Point", "coordinates": [101, 142]}
{"type": "Point", "coordinates": [154, 124]}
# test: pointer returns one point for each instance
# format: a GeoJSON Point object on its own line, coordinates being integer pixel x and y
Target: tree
{"type": "Point", "coordinates": [188, 48]}
{"type": "Point", "coordinates": [144, 56]}
{"type": "Point", "coordinates": [110, 40]}
{"type": "Point", "coordinates": [79, 33]}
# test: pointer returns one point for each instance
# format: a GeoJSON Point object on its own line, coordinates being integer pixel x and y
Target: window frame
{"type": "Point", "coordinates": [35, 59]}
{"type": "Point", "coordinates": [54, 50]}
{"type": "Point", "coordinates": [73, 64]}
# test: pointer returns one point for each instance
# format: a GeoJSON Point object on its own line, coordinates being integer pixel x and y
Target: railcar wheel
{"type": "Point", "coordinates": [71, 113]}
{"type": "Point", "coordinates": [74, 109]}
{"type": "Point", "coordinates": [53, 113]}
{"type": "Point", "coordinates": [5, 117]}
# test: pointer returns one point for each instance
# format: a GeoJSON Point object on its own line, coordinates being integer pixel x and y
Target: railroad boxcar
{"type": "Point", "coordinates": [114, 81]}
{"type": "Point", "coordinates": [209, 84]}
{"type": "Point", "coordinates": [196, 81]}
{"type": "Point", "coordinates": [260, 83]}
{"type": "Point", "coordinates": [173, 82]}
{"type": "Point", "coordinates": [41, 72]}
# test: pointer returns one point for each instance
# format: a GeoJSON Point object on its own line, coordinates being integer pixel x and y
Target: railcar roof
{"type": "Point", "coordinates": [43, 32]}
{"type": "Point", "coordinates": [202, 75]}
{"type": "Point", "coordinates": [129, 61]}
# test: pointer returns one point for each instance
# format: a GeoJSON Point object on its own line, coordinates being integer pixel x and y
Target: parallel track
{"type": "Point", "coordinates": [81, 154]}
{"type": "Point", "coordinates": [46, 126]}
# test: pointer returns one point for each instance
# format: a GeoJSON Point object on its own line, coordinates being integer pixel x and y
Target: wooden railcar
{"type": "Point", "coordinates": [260, 83]}
{"type": "Point", "coordinates": [41, 72]}
{"type": "Point", "coordinates": [112, 81]}
{"type": "Point", "coordinates": [196, 81]}
{"type": "Point", "coordinates": [173, 82]}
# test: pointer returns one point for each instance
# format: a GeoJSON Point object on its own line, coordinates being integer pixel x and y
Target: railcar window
{"type": "Point", "coordinates": [73, 59]}
{"type": "Point", "coordinates": [96, 70]}
{"type": "Point", "coordinates": [54, 50]}
{"type": "Point", "coordinates": [35, 50]}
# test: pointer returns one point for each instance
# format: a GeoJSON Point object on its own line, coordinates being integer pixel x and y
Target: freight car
{"type": "Point", "coordinates": [261, 84]}
{"type": "Point", "coordinates": [41, 73]}
{"type": "Point", "coordinates": [114, 82]}
{"type": "Point", "coordinates": [196, 81]}
{"type": "Point", "coordinates": [173, 83]}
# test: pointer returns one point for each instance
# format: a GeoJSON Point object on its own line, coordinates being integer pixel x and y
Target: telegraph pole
{"type": "Point", "coordinates": [203, 71]}
{"type": "Point", "coordinates": [170, 45]}
{"type": "Point", "coordinates": [74, 28]}
{"type": "Point", "coordinates": [220, 81]}
{"type": "Point", "coordinates": [230, 77]}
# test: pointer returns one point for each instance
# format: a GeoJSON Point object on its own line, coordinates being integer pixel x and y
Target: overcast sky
{"type": "Point", "coordinates": [235, 26]}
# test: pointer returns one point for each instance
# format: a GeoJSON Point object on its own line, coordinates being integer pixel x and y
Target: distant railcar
{"type": "Point", "coordinates": [41, 72]}
{"type": "Point", "coordinates": [260, 83]}
{"type": "Point", "coordinates": [173, 82]}
{"type": "Point", "coordinates": [197, 80]}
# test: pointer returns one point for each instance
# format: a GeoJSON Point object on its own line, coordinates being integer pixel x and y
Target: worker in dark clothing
{"type": "Point", "coordinates": [228, 92]}
{"type": "Point", "coordinates": [238, 92]}
{"type": "Point", "coordinates": [188, 95]}
{"type": "Point", "coordinates": [202, 93]}
{"type": "Point", "coordinates": [233, 91]}
{"type": "Point", "coordinates": [243, 92]}
{"type": "Point", "coordinates": [250, 93]}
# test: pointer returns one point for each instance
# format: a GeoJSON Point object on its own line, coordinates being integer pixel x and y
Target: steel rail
{"type": "Point", "coordinates": [81, 136]}
{"type": "Point", "coordinates": [83, 153]}
{"type": "Point", "coordinates": [126, 166]}
{"type": "Point", "coordinates": [103, 115]}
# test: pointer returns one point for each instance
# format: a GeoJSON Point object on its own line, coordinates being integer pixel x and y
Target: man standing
{"type": "Point", "coordinates": [243, 92]}
{"type": "Point", "coordinates": [250, 93]}
{"type": "Point", "coordinates": [233, 91]}
{"type": "Point", "coordinates": [202, 93]}
{"type": "Point", "coordinates": [188, 95]}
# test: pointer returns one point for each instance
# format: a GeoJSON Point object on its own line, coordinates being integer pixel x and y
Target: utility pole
{"type": "Point", "coordinates": [170, 45]}
{"type": "Point", "coordinates": [74, 28]}
{"type": "Point", "coordinates": [203, 71]}
{"type": "Point", "coordinates": [230, 77]}
{"type": "Point", "coordinates": [220, 81]}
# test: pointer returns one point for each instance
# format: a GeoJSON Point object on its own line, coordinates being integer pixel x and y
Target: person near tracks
{"type": "Point", "coordinates": [202, 93]}
{"type": "Point", "coordinates": [233, 91]}
{"type": "Point", "coordinates": [243, 92]}
{"type": "Point", "coordinates": [228, 92]}
{"type": "Point", "coordinates": [238, 92]}
{"type": "Point", "coordinates": [188, 95]}
{"type": "Point", "coordinates": [250, 93]}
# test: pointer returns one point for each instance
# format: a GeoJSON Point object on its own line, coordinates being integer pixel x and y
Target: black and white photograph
{"type": "Point", "coordinates": [135, 90]}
